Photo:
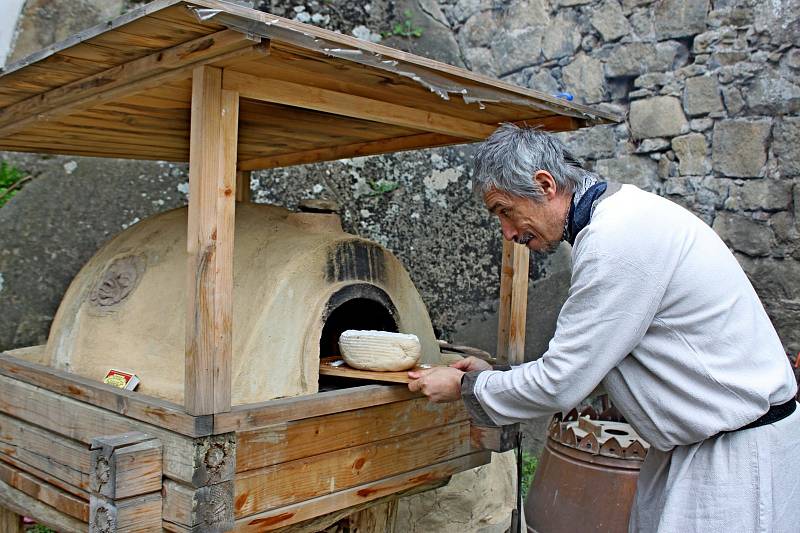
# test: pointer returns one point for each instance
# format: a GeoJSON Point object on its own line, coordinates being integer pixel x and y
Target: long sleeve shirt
{"type": "Point", "coordinates": [662, 314]}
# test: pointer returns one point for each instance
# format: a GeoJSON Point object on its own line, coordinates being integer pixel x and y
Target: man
{"type": "Point", "coordinates": [662, 315]}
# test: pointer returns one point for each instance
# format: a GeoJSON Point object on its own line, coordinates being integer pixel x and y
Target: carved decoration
{"type": "Point", "coordinates": [118, 282]}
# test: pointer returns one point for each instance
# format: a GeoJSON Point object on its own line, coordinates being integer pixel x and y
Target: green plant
{"type": "Point", "coordinates": [382, 186]}
{"type": "Point", "coordinates": [406, 28]}
{"type": "Point", "coordinates": [10, 180]}
{"type": "Point", "coordinates": [38, 528]}
{"type": "Point", "coordinates": [529, 464]}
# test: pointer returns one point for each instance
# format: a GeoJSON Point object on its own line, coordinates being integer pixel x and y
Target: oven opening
{"type": "Point", "coordinates": [359, 306]}
{"type": "Point", "coordinates": [359, 313]}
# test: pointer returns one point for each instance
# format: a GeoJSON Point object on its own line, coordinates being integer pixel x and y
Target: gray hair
{"type": "Point", "coordinates": [510, 157]}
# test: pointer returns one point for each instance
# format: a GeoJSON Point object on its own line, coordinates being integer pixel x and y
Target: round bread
{"type": "Point", "coordinates": [379, 350]}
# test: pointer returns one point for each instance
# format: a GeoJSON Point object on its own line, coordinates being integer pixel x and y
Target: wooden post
{"type": "Point", "coordinates": [212, 182]}
{"type": "Point", "coordinates": [243, 186]}
{"type": "Point", "coordinates": [379, 518]}
{"type": "Point", "coordinates": [513, 306]}
{"type": "Point", "coordinates": [125, 483]}
{"type": "Point", "coordinates": [10, 522]}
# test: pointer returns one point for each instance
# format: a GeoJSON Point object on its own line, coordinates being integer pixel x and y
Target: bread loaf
{"type": "Point", "coordinates": [379, 350]}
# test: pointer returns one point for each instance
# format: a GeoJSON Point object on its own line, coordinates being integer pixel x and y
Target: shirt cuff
{"type": "Point", "coordinates": [474, 408]}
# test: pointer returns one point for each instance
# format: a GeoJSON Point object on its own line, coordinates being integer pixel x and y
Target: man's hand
{"type": "Point", "coordinates": [442, 384]}
{"type": "Point", "coordinates": [468, 364]}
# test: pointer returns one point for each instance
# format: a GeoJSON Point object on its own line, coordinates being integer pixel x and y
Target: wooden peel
{"type": "Point", "coordinates": [335, 366]}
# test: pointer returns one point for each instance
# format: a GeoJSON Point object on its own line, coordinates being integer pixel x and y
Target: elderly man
{"type": "Point", "coordinates": [662, 315]}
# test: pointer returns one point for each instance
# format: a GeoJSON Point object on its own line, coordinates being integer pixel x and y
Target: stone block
{"type": "Point", "coordinates": [680, 18]}
{"type": "Point", "coordinates": [772, 94]}
{"type": "Point", "coordinates": [744, 234]}
{"type": "Point", "coordinates": [739, 147]}
{"type": "Point", "coordinates": [648, 146]}
{"type": "Point", "coordinates": [701, 96]}
{"type": "Point", "coordinates": [786, 146]}
{"type": "Point", "coordinates": [661, 116]}
{"type": "Point", "coordinates": [635, 170]}
{"type": "Point", "coordinates": [584, 79]}
{"type": "Point", "coordinates": [734, 101]}
{"type": "Point", "coordinates": [515, 49]}
{"type": "Point", "coordinates": [562, 37]}
{"type": "Point", "coordinates": [590, 143]}
{"type": "Point", "coordinates": [691, 150]}
{"type": "Point", "coordinates": [609, 20]}
{"type": "Point", "coordinates": [761, 195]}
{"type": "Point", "coordinates": [633, 59]}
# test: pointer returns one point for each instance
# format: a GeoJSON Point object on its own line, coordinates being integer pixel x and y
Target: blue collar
{"type": "Point", "coordinates": [580, 212]}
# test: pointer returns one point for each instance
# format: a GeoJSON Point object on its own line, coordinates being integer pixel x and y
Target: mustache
{"type": "Point", "coordinates": [523, 239]}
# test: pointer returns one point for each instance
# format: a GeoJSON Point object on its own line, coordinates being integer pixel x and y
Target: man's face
{"type": "Point", "coordinates": [539, 225]}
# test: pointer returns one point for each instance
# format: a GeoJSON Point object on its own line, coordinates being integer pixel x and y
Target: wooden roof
{"type": "Point", "coordinates": [123, 89]}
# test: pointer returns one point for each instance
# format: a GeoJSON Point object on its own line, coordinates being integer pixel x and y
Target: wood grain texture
{"type": "Point", "coordinates": [134, 405]}
{"type": "Point", "coordinates": [374, 519]}
{"type": "Point", "coordinates": [286, 483]}
{"type": "Point", "coordinates": [125, 466]}
{"type": "Point", "coordinates": [10, 522]}
{"type": "Point", "coordinates": [21, 503]}
{"type": "Point", "coordinates": [140, 514]}
{"type": "Point", "coordinates": [83, 422]}
{"type": "Point", "coordinates": [288, 441]}
{"type": "Point", "coordinates": [205, 509]}
{"type": "Point", "coordinates": [243, 186]}
{"type": "Point", "coordinates": [300, 512]}
{"type": "Point", "coordinates": [254, 416]}
{"type": "Point", "coordinates": [513, 303]}
{"type": "Point", "coordinates": [212, 169]}
{"type": "Point", "coordinates": [45, 493]}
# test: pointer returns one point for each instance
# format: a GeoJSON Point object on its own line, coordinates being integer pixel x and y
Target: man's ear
{"type": "Point", "coordinates": [547, 183]}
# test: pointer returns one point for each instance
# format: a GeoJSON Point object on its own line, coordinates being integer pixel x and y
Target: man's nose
{"type": "Point", "coordinates": [508, 229]}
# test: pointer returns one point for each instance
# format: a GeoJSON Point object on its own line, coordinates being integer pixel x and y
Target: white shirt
{"type": "Point", "coordinates": [660, 312]}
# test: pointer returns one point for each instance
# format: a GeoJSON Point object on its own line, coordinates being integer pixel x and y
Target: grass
{"type": "Point", "coordinates": [406, 28]}
{"type": "Point", "coordinates": [10, 177]}
{"type": "Point", "coordinates": [529, 464]}
{"type": "Point", "coordinates": [38, 528]}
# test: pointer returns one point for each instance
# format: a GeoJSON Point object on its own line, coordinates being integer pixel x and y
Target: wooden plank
{"type": "Point", "coordinates": [44, 492]}
{"type": "Point", "coordinates": [139, 514]}
{"type": "Point", "coordinates": [512, 307]}
{"type": "Point", "coordinates": [44, 476]}
{"type": "Point", "coordinates": [286, 483]}
{"type": "Point", "coordinates": [134, 405]}
{"type": "Point", "coordinates": [360, 494]}
{"type": "Point", "coordinates": [285, 442]}
{"type": "Point", "coordinates": [131, 88]}
{"type": "Point", "coordinates": [328, 367]}
{"type": "Point", "coordinates": [204, 509]}
{"type": "Point", "coordinates": [212, 175]}
{"type": "Point", "coordinates": [62, 458]}
{"type": "Point", "coordinates": [374, 519]}
{"type": "Point", "coordinates": [382, 146]}
{"type": "Point", "coordinates": [293, 94]}
{"type": "Point", "coordinates": [126, 465]}
{"type": "Point", "coordinates": [21, 503]}
{"type": "Point", "coordinates": [10, 522]}
{"type": "Point", "coordinates": [83, 422]}
{"type": "Point", "coordinates": [254, 416]}
{"type": "Point", "coordinates": [519, 305]}
{"type": "Point", "coordinates": [497, 439]}
{"type": "Point", "coordinates": [243, 186]}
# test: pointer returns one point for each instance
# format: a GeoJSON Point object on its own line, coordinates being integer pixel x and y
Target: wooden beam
{"type": "Point", "coordinates": [254, 416]}
{"type": "Point", "coordinates": [382, 146]}
{"type": "Point", "coordinates": [285, 442]}
{"type": "Point", "coordinates": [212, 175]}
{"type": "Point", "coordinates": [44, 492]}
{"type": "Point", "coordinates": [147, 72]}
{"type": "Point", "coordinates": [338, 103]}
{"type": "Point", "coordinates": [125, 465]}
{"type": "Point", "coordinates": [359, 495]}
{"type": "Point", "coordinates": [207, 509]}
{"type": "Point", "coordinates": [511, 313]}
{"type": "Point", "coordinates": [10, 522]}
{"type": "Point", "coordinates": [243, 186]}
{"type": "Point", "coordinates": [286, 483]}
{"type": "Point", "coordinates": [497, 439]}
{"type": "Point", "coordinates": [131, 515]}
{"type": "Point", "coordinates": [83, 422]}
{"type": "Point", "coordinates": [21, 503]}
{"type": "Point", "coordinates": [378, 518]}
{"type": "Point", "coordinates": [134, 405]}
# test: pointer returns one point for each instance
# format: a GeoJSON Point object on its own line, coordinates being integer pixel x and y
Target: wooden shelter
{"type": "Point", "coordinates": [232, 90]}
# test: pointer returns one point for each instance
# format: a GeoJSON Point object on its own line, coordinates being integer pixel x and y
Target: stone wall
{"type": "Point", "coordinates": [712, 94]}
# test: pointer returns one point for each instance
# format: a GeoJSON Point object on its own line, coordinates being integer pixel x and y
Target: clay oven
{"type": "Point", "coordinates": [299, 281]}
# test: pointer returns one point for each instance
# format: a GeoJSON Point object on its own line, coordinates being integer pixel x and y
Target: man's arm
{"type": "Point", "coordinates": [611, 304]}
